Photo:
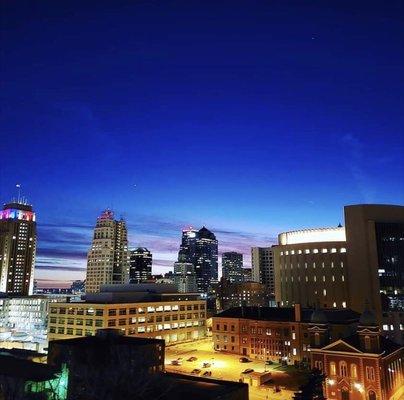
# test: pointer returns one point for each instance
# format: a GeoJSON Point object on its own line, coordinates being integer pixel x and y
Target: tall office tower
{"type": "Point", "coordinates": [108, 257]}
{"type": "Point", "coordinates": [206, 266]}
{"type": "Point", "coordinates": [262, 259]}
{"type": "Point", "coordinates": [185, 277]}
{"type": "Point", "coordinates": [17, 248]}
{"type": "Point", "coordinates": [140, 269]}
{"type": "Point", "coordinates": [232, 267]}
{"type": "Point", "coordinates": [187, 251]}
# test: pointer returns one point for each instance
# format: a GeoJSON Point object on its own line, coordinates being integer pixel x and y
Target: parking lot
{"type": "Point", "coordinates": [228, 367]}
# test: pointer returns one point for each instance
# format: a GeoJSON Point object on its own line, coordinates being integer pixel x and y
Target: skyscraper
{"type": "Point", "coordinates": [206, 267]}
{"type": "Point", "coordinates": [187, 251]}
{"type": "Point", "coordinates": [262, 260]}
{"type": "Point", "coordinates": [200, 248]}
{"type": "Point", "coordinates": [232, 267]}
{"type": "Point", "coordinates": [17, 248]}
{"type": "Point", "coordinates": [140, 269]}
{"type": "Point", "coordinates": [185, 277]}
{"type": "Point", "coordinates": [108, 257]}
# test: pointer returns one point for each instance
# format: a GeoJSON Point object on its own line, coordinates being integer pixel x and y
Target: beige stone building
{"type": "Point", "coordinates": [147, 312]}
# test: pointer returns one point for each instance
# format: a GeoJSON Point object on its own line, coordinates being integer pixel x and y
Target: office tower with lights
{"type": "Point", "coordinates": [206, 266]}
{"type": "Point", "coordinates": [17, 248]}
{"type": "Point", "coordinates": [262, 259]}
{"type": "Point", "coordinates": [232, 267]}
{"type": "Point", "coordinates": [108, 257]}
{"type": "Point", "coordinates": [187, 251]}
{"type": "Point", "coordinates": [185, 277]}
{"type": "Point", "coordinates": [140, 269]}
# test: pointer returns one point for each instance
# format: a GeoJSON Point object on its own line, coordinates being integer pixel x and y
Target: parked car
{"type": "Point", "coordinates": [176, 362]}
{"type": "Point", "coordinates": [206, 365]}
{"type": "Point", "coordinates": [248, 371]}
{"type": "Point", "coordinates": [269, 362]}
{"type": "Point", "coordinates": [244, 360]}
{"type": "Point", "coordinates": [191, 359]}
{"type": "Point", "coordinates": [196, 371]}
{"type": "Point", "coordinates": [207, 373]}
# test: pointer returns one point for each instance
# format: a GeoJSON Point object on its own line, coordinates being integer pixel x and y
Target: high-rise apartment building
{"type": "Point", "coordinates": [140, 269]}
{"type": "Point", "coordinates": [108, 258]}
{"type": "Point", "coordinates": [247, 274]}
{"type": "Point", "coordinates": [262, 260]}
{"type": "Point", "coordinates": [185, 277]}
{"type": "Point", "coordinates": [17, 248]}
{"type": "Point", "coordinates": [201, 249]}
{"type": "Point", "coordinates": [232, 267]}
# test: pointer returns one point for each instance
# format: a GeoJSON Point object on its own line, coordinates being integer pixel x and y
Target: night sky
{"type": "Point", "coordinates": [251, 117]}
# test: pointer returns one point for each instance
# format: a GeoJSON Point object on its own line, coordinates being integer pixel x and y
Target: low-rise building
{"type": "Point", "coordinates": [277, 334]}
{"type": "Point", "coordinates": [237, 294]}
{"type": "Point", "coordinates": [365, 365]}
{"type": "Point", "coordinates": [24, 321]}
{"type": "Point", "coordinates": [144, 310]}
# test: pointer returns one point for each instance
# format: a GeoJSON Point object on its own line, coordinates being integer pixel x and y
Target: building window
{"type": "Point", "coordinates": [333, 369]}
{"type": "Point", "coordinates": [318, 365]}
{"type": "Point", "coordinates": [372, 395]}
{"type": "Point", "coordinates": [317, 339]}
{"type": "Point", "coordinates": [343, 370]}
{"type": "Point", "coordinates": [367, 343]}
{"type": "Point", "coordinates": [354, 371]}
{"type": "Point", "coordinates": [370, 374]}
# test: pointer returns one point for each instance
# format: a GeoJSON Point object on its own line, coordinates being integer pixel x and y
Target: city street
{"type": "Point", "coordinates": [228, 367]}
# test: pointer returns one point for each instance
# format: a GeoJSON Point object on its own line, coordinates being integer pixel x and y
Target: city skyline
{"type": "Point", "coordinates": [251, 120]}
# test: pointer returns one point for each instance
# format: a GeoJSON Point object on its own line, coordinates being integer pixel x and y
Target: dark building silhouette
{"type": "Point", "coordinates": [140, 269]}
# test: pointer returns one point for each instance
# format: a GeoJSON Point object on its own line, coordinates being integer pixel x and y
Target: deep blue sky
{"type": "Point", "coordinates": [251, 117]}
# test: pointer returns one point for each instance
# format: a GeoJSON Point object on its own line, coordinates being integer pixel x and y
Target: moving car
{"type": "Point", "coordinates": [244, 360]}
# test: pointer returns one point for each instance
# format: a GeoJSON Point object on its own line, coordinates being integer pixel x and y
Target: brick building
{"type": "Point", "coordinates": [362, 366]}
{"type": "Point", "coordinates": [271, 333]}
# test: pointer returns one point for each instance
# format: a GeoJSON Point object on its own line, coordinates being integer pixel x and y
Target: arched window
{"type": "Point", "coordinates": [367, 343]}
{"type": "Point", "coordinates": [354, 371]}
{"type": "Point", "coordinates": [317, 339]}
{"type": "Point", "coordinates": [333, 368]}
{"type": "Point", "coordinates": [372, 395]}
{"type": "Point", "coordinates": [318, 365]}
{"type": "Point", "coordinates": [343, 370]}
{"type": "Point", "coordinates": [370, 373]}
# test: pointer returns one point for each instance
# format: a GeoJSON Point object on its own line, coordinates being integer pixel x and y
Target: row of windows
{"type": "Point", "coordinates": [343, 370]}
{"type": "Point", "coordinates": [313, 251]}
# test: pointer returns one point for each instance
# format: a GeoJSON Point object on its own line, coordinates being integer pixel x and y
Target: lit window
{"type": "Point", "coordinates": [343, 371]}
{"type": "Point", "coordinates": [342, 250]}
{"type": "Point", "coordinates": [315, 251]}
{"type": "Point", "coordinates": [344, 304]}
{"type": "Point", "coordinates": [307, 251]}
{"type": "Point", "coordinates": [333, 368]}
{"type": "Point", "coordinates": [324, 250]}
{"type": "Point", "coordinates": [385, 327]}
{"type": "Point", "coordinates": [354, 371]}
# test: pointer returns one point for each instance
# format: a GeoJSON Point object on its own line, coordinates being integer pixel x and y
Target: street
{"type": "Point", "coordinates": [228, 367]}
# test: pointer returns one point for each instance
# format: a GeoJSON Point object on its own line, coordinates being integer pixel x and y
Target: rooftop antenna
{"type": "Point", "coordinates": [18, 186]}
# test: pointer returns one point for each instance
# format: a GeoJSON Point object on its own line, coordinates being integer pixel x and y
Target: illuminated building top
{"type": "Point", "coordinates": [312, 236]}
{"type": "Point", "coordinates": [107, 214]}
{"type": "Point", "coordinates": [17, 211]}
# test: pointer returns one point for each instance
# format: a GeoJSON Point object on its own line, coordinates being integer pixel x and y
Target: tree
{"type": "Point", "coordinates": [313, 389]}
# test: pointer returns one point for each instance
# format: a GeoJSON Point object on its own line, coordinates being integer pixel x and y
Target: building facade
{"type": "Point", "coordinates": [232, 267]}
{"type": "Point", "coordinates": [147, 312]}
{"type": "Point", "coordinates": [185, 277]}
{"type": "Point", "coordinates": [362, 366]}
{"type": "Point", "coordinates": [108, 257]}
{"type": "Point", "coordinates": [311, 267]}
{"type": "Point", "coordinates": [140, 269]}
{"type": "Point", "coordinates": [247, 274]}
{"type": "Point", "coordinates": [238, 294]}
{"type": "Point", "coordinates": [278, 334]}
{"type": "Point", "coordinates": [262, 260]}
{"type": "Point", "coordinates": [17, 248]}
{"type": "Point", "coordinates": [326, 265]}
